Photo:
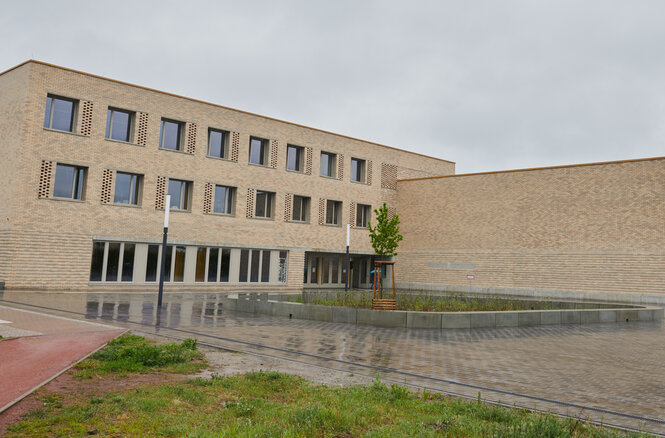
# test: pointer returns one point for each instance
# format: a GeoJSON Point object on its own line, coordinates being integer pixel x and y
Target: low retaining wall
{"type": "Point", "coordinates": [267, 304]}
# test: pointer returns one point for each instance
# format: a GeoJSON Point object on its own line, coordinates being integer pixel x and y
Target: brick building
{"type": "Point", "coordinates": [86, 163]}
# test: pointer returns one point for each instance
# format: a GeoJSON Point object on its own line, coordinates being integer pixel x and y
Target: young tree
{"type": "Point", "coordinates": [385, 236]}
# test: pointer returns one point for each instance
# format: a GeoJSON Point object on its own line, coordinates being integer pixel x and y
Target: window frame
{"type": "Point", "coordinates": [332, 164]}
{"type": "Point", "coordinates": [229, 202]}
{"type": "Point", "coordinates": [265, 151]}
{"type": "Point", "coordinates": [49, 108]}
{"type": "Point", "coordinates": [361, 168]}
{"type": "Point", "coordinates": [224, 147]}
{"type": "Point", "coordinates": [121, 262]}
{"type": "Point", "coordinates": [363, 219]}
{"type": "Point", "coordinates": [110, 115]}
{"type": "Point", "coordinates": [78, 184]}
{"type": "Point", "coordinates": [305, 203]}
{"type": "Point", "coordinates": [186, 189]}
{"type": "Point", "coordinates": [135, 189]}
{"type": "Point", "coordinates": [336, 215]}
{"type": "Point", "coordinates": [180, 135]}
{"type": "Point", "coordinates": [269, 205]}
{"type": "Point", "coordinates": [300, 158]}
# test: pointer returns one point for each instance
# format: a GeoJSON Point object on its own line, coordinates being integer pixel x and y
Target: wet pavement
{"type": "Point", "coordinates": [614, 373]}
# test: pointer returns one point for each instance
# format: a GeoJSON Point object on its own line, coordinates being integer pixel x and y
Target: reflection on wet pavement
{"type": "Point", "coordinates": [611, 371]}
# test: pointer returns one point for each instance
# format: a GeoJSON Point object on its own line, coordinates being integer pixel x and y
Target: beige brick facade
{"type": "Point", "coordinates": [578, 228]}
{"type": "Point", "coordinates": [46, 243]}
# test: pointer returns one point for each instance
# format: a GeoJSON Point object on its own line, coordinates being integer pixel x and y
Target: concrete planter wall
{"type": "Point", "coordinates": [270, 304]}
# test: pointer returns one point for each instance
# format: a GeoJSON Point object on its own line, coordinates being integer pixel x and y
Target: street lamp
{"type": "Point", "coordinates": [167, 209]}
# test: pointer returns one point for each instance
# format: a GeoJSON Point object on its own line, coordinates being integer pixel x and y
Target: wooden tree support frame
{"type": "Point", "coordinates": [378, 302]}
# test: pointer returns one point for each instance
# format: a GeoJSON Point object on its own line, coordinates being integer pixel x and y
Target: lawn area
{"type": "Point", "coordinates": [423, 302]}
{"type": "Point", "coordinates": [271, 404]}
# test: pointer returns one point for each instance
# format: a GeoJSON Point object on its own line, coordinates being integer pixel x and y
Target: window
{"type": "Point", "coordinates": [357, 170]}
{"type": "Point", "coordinates": [112, 261]}
{"type": "Point", "coordinates": [180, 192]}
{"type": "Point", "coordinates": [170, 135]}
{"type": "Point", "coordinates": [223, 200]}
{"type": "Point", "coordinates": [175, 259]}
{"type": "Point", "coordinates": [281, 271]}
{"type": "Point", "coordinates": [363, 213]}
{"type": "Point", "coordinates": [294, 158]}
{"type": "Point", "coordinates": [218, 143]}
{"type": "Point", "coordinates": [300, 209]}
{"type": "Point", "coordinates": [69, 182]}
{"type": "Point", "coordinates": [333, 212]}
{"type": "Point", "coordinates": [152, 263]}
{"type": "Point", "coordinates": [328, 164]}
{"type": "Point", "coordinates": [216, 260]}
{"type": "Point", "coordinates": [258, 151]}
{"type": "Point", "coordinates": [254, 266]}
{"type": "Point", "coordinates": [60, 113]}
{"type": "Point", "coordinates": [127, 188]}
{"type": "Point", "coordinates": [264, 203]}
{"type": "Point", "coordinates": [119, 124]}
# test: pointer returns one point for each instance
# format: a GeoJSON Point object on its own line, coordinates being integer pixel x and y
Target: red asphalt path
{"type": "Point", "coordinates": [28, 362]}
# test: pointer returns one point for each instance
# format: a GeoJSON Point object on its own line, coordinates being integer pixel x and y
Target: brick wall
{"type": "Point", "coordinates": [590, 227]}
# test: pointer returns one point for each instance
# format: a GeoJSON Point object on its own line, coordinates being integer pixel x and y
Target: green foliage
{"type": "Point", "coordinates": [134, 354]}
{"type": "Point", "coordinates": [385, 236]}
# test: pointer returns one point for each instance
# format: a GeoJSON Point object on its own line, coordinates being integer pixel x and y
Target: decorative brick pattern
{"type": "Point", "coordinates": [86, 118]}
{"type": "Point", "coordinates": [274, 149]}
{"type": "Point", "coordinates": [191, 138]}
{"type": "Point", "coordinates": [340, 166]}
{"type": "Point", "coordinates": [322, 211]}
{"type": "Point", "coordinates": [142, 129]}
{"type": "Point", "coordinates": [391, 212]}
{"type": "Point", "coordinates": [288, 207]}
{"type": "Point", "coordinates": [388, 176]}
{"type": "Point", "coordinates": [308, 161]}
{"type": "Point", "coordinates": [369, 172]}
{"type": "Point", "coordinates": [107, 186]}
{"type": "Point", "coordinates": [207, 197]}
{"type": "Point", "coordinates": [160, 196]}
{"type": "Point", "coordinates": [46, 179]}
{"type": "Point", "coordinates": [251, 196]}
{"type": "Point", "coordinates": [235, 146]}
{"type": "Point", "coordinates": [352, 214]}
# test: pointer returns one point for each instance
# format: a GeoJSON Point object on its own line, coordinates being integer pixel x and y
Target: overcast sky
{"type": "Point", "coordinates": [490, 85]}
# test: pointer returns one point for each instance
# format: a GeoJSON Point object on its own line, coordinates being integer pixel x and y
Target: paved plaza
{"type": "Point", "coordinates": [614, 373]}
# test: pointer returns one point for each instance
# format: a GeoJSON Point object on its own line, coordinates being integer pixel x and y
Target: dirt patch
{"type": "Point", "coordinates": [73, 389]}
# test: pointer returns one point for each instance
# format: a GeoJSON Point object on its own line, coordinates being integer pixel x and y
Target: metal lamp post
{"type": "Point", "coordinates": [348, 272]}
{"type": "Point", "coordinates": [167, 209]}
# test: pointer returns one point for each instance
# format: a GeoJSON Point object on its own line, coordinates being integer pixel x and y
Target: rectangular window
{"type": "Point", "coordinates": [335, 269]}
{"type": "Point", "coordinates": [224, 199]}
{"type": "Point", "coordinates": [300, 211]}
{"type": "Point", "coordinates": [254, 269]}
{"type": "Point", "coordinates": [218, 143]}
{"type": "Point", "coordinates": [69, 182]}
{"type": "Point", "coordinates": [265, 266]}
{"type": "Point", "coordinates": [179, 264]}
{"type": "Point", "coordinates": [119, 124]}
{"type": "Point", "coordinates": [225, 265]}
{"type": "Point", "coordinates": [357, 170]}
{"type": "Point", "coordinates": [244, 265]}
{"type": "Point", "coordinates": [97, 262]}
{"type": "Point", "coordinates": [213, 261]}
{"type": "Point", "coordinates": [167, 265]}
{"type": "Point", "coordinates": [294, 158]}
{"type": "Point", "coordinates": [326, 270]}
{"type": "Point", "coordinates": [128, 262]}
{"type": "Point", "coordinates": [201, 252]}
{"type": "Point", "coordinates": [171, 135]}
{"type": "Point", "coordinates": [314, 273]}
{"type": "Point", "coordinates": [152, 263]}
{"type": "Point", "coordinates": [333, 212]}
{"type": "Point", "coordinates": [264, 204]}
{"type": "Point", "coordinates": [180, 192]}
{"type": "Point", "coordinates": [60, 113]}
{"type": "Point", "coordinates": [127, 188]}
{"type": "Point", "coordinates": [112, 262]}
{"type": "Point", "coordinates": [328, 161]}
{"type": "Point", "coordinates": [258, 151]}
{"type": "Point", "coordinates": [363, 213]}
{"type": "Point", "coordinates": [281, 275]}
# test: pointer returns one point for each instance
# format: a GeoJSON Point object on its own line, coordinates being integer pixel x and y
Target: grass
{"type": "Point", "coordinates": [270, 404]}
{"type": "Point", "coordinates": [135, 354]}
{"type": "Point", "coordinates": [427, 303]}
